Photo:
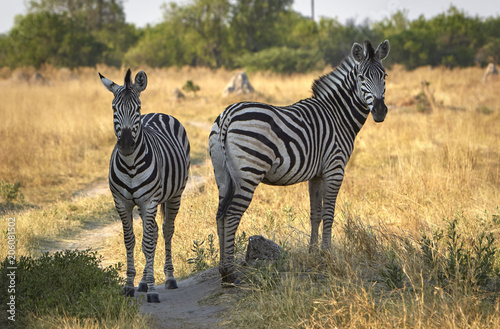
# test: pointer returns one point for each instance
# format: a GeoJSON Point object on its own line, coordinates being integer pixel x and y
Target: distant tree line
{"type": "Point", "coordinates": [255, 34]}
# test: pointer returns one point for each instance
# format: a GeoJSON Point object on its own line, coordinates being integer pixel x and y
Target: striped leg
{"type": "Point", "coordinates": [331, 190]}
{"type": "Point", "coordinates": [149, 240]}
{"type": "Point", "coordinates": [228, 223]}
{"type": "Point", "coordinates": [316, 192]}
{"type": "Point", "coordinates": [170, 210]}
{"type": "Point", "coordinates": [125, 213]}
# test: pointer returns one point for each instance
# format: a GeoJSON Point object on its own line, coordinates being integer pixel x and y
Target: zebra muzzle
{"type": "Point", "coordinates": [126, 143]}
{"type": "Point", "coordinates": [379, 110]}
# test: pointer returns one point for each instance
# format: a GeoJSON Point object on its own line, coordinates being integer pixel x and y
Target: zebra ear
{"type": "Point", "coordinates": [113, 87]}
{"type": "Point", "coordinates": [357, 52]}
{"type": "Point", "coordinates": [382, 50]}
{"type": "Point", "coordinates": [141, 81]}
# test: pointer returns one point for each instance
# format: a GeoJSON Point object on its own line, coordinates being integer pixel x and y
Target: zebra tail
{"type": "Point", "coordinates": [222, 169]}
{"type": "Point", "coordinates": [227, 198]}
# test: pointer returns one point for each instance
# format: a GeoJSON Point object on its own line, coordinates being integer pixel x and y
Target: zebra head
{"type": "Point", "coordinates": [371, 76]}
{"type": "Point", "coordinates": [127, 110]}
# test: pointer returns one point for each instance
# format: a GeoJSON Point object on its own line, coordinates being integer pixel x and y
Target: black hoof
{"type": "Point", "coordinates": [153, 298]}
{"type": "Point", "coordinates": [230, 280]}
{"type": "Point", "coordinates": [143, 287]}
{"type": "Point", "coordinates": [128, 292]}
{"type": "Point", "coordinates": [171, 284]}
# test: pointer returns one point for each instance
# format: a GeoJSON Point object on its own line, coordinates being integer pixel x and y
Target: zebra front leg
{"type": "Point", "coordinates": [332, 188]}
{"type": "Point", "coordinates": [149, 240]}
{"type": "Point", "coordinates": [316, 192]}
{"type": "Point", "coordinates": [129, 239]}
{"type": "Point", "coordinates": [170, 210]}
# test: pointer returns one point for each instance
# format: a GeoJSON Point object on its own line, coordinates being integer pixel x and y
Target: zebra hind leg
{"type": "Point", "coordinates": [228, 223]}
{"type": "Point", "coordinates": [169, 211]}
{"type": "Point", "coordinates": [316, 190]}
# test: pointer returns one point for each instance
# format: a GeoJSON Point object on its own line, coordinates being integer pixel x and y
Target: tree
{"type": "Point", "coordinates": [160, 46]}
{"type": "Point", "coordinates": [93, 13]}
{"type": "Point", "coordinates": [458, 37]}
{"type": "Point", "coordinates": [335, 40]}
{"type": "Point", "coordinates": [48, 38]}
{"type": "Point", "coordinates": [254, 23]}
{"type": "Point", "coordinates": [89, 32]}
{"type": "Point", "coordinates": [203, 25]}
{"type": "Point", "coordinates": [490, 51]}
{"type": "Point", "coordinates": [396, 23]}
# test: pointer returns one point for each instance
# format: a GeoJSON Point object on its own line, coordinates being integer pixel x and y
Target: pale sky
{"type": "Point", "coordinates": [143, 12]}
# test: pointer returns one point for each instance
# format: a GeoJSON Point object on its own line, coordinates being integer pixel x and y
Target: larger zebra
{"type": "Point", "coordinates": [149, 167]}
{"type": "Point", "coordinates": [310, 140]}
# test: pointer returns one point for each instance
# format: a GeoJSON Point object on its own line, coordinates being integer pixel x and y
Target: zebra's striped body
{"type": "Point", "coordinates": [310, 140]}
{"type": "Point", "coordinates": [149, 167]}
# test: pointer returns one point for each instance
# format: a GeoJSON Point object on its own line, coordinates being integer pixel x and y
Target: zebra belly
{"type": "Point", "coordinates": [283, 173]}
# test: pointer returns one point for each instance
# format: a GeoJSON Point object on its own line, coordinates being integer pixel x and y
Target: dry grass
{"type": "Point", "coordinates": [406, 176]}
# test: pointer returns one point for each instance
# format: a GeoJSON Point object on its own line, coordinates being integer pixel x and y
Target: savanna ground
{"type": "Point", "coordinates": [417, 220]}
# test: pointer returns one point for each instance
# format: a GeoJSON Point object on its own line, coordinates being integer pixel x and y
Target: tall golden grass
{"type": "Point", "coordinates": [407, 175]}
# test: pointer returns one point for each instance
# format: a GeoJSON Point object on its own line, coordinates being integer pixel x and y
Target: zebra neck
{"type": "Point", "coordinates": [339, 92]}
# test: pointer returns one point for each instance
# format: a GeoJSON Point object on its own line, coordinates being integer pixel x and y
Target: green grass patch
{"type": "Point", "coordinates": [66, 286]}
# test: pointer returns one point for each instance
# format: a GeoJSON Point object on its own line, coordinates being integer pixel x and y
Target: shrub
{"type": "Point", "coordinates": [206, 257]}
{"type": "Point", "coordinates": [190, 86]}
{"type": "Point", "coordinates": [67, 284]}
{"type": "Point", "coordinates": [281, 60]}
{"type": "Point", "coordinates": [10, 192]}
{"type": "Point", "coordinates": [464, 261]}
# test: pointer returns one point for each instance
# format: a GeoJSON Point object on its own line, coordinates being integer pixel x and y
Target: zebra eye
{"type": "Point", "coordinates": [361, 78]}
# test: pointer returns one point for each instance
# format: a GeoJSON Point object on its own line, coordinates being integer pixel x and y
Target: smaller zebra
{"type": "Point", "coordinates": [149, 167]}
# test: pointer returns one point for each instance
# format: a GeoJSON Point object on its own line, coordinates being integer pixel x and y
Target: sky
{"type": "Point", "coordinates": [143, 12]}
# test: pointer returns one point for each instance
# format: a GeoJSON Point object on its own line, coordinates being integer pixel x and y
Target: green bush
{"type": "Point", "coordinates": [190, 86]}
{"type": "Point", "coordinates": [66, 284]}
{"type": "Point", "coordinates": [464, 261]}
{"type": "Point", "coordinates": [206, 257]}
{"type": "Point", "coordinates": [282, 60]}
{"type": "Point", "coordinates": [10, 192]}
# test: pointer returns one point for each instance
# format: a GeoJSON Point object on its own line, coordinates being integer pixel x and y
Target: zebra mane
{"type": "Point", "coordinates": [369, 49]}
{"type": "Point", "coordinates": [329, 82]}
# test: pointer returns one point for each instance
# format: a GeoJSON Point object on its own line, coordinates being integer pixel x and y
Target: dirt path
{"type": "Point", "coordinates": [197, 303]}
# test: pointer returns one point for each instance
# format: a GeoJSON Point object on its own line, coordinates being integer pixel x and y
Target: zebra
{"type": "Point", "coordinates": [149, 167]}
{"type": "Point", "coordinates": [311, 140]}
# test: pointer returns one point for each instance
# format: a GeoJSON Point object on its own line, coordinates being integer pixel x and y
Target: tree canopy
{"type": "Point", "coordinates": [256, 34]}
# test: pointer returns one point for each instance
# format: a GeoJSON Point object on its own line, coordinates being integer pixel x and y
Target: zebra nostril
{"type": "Point", "coordinates": [126, 142]}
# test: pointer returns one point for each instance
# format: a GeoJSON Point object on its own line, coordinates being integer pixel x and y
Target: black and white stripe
{"type": "Point", "coordinates": [310, 140]}
{"type": "Point", "coordinates": [149, 167]}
